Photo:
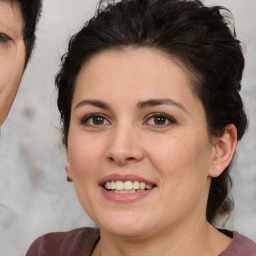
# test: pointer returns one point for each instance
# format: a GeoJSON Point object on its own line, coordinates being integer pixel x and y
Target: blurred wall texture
{"type": "Point", "coordinates": [34, 195]}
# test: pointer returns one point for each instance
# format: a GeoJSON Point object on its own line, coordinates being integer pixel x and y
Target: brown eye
{"type": "Point", "coordinates": [4, 38]}
{"type": "Point", "coordinates": [95, 120]}
{"type": "Point", "coordinates": [160, 120]}
{"type": "Point", "coordinates": [98, 120]}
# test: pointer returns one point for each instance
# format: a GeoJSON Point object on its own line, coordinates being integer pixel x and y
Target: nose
{"type": "Point", "coordinates": [125, 146]}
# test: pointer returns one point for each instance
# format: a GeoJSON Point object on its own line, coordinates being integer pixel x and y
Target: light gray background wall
{"type": "Point", "coordinates": [34, 196]}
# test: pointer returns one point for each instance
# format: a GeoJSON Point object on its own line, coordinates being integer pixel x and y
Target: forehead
{"type": "Point", "coordinates": [129, 63]}
{"type": "Point", "coordinates": [11, 20]}
{"type": "Point", "coordinates": [133, 74]}
{"type": "Point", "coordinates": [193, 80]}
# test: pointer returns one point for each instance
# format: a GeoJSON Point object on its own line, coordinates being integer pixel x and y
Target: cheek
{"type": "Point", "coordinates": [18, 68]}
{"type": "Point", "coordinates": [11, 70]}
{"type": "Point", "coordinates": [5, 70]}
{"type": "Point", "coordinates": [182, 168]}
{"type": "Point", "coordinates": [82, 157]}
{"type": "Point", "coordinates": [84, 154]}
{"type": "Point", "coordinates": [174, 154]}
{"type": "Point", "coordinates": [182, 163]}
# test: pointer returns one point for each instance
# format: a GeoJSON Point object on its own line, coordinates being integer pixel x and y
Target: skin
{"type": "Point", "coordinates": [12, 55]}
{"type": "Point", "coordinates": [178, 155]}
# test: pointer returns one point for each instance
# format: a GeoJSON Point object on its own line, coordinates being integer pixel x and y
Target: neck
{"type": "Point", "coordinates": [203, 240]}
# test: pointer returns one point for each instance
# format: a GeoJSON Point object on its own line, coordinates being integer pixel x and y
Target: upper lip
{"type": "Point", "coordinates": [124, 177]}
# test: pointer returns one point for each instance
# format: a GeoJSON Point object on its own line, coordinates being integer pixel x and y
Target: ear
{"type": "Point", "coordinates": [68, 169]}
{"type": "Point", "coordinates": [64, 141]}
{"type": "Point", "coordinates": [223, 151]}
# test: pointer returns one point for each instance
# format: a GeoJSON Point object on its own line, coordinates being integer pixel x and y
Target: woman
{"type": "Point", "coordinates": [18, 21]}
{"type": "Point", "coordinates": [149, 99]}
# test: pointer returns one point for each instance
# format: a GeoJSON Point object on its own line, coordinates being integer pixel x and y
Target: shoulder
{"type": "Point", "coordinates": [240, 246]}
{"type": "Point", "coordinates": [73, 242]}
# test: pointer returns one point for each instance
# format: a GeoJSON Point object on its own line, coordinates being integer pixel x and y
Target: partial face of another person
{"type": "Point", "coordinates": [138, 146]}
{"type": "Point", "coordinates": [12, 55]}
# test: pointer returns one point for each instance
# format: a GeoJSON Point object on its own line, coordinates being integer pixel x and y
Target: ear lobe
{"type": "Point", "coordinates": [68, 169]}
{"type": "Point", "coordinates": [224, 148]}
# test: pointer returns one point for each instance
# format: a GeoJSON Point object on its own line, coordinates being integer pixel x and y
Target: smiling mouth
{"type": "Point", "coordinates": [127, 186]}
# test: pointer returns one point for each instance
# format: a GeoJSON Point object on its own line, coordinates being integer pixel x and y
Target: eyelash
{"type": "Point", "coordinates": [163, 117]}
{"type": "Point", "coordinates": [4, 38]}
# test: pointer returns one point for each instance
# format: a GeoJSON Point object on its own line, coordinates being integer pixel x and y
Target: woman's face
{"type": "Point", "coordinates": [12, 55]}
{"type": "Point", "coordinates": [137, 129]}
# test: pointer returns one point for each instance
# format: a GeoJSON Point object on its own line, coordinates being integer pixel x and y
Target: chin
{"type": "Point", "coordinates": [128, 231]}
{"type": "Point", "coordinates": [125, 225]}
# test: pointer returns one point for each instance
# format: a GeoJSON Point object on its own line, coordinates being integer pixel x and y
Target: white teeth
{"type": "Point", "coordinates": [148, 186]}
{"type": "Point", "coordinates": [119, 185]}
{"type": "Point", "coordinates": [142, 185]}
{"type": "Point", "coordinates": [124, 191]}
{"type": "Point", "coordinates": [113, 185]}
{"type": "Point", "coordinates": [136, 185]}
{"type": "Point", "coordinates": [127, 186]}
{"type": "Point", "coordinates": [107, 185]}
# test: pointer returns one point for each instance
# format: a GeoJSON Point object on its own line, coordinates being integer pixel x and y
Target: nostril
{"type": "Point", "coordinates": [124, 156]}
{"type": "Point", "coordinates": [121, 160]}
{"type": "Point", "coordinates": [111, 159]}
{"type": "Point", "coordinates": [130, 158]}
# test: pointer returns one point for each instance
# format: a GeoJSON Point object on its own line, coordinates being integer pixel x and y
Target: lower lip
{"type": "Point", "coordinates": [127, 197]}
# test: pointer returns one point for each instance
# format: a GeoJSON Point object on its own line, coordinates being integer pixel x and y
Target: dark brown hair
{"type": "Point", "coordinates": [30, 11]}
{"type": "Point", "coordinates": [196, 35]}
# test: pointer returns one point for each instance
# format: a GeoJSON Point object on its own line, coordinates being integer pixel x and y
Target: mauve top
{"type": "Point", "coordinates": [81, 242]}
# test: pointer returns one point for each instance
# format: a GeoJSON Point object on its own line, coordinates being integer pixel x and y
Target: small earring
{"type": "Point", "coordinates": [69, 178]}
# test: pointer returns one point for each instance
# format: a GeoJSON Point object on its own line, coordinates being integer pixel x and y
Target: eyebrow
{"type": "Point", "coordinates": [140, 105]}
{"type": "Point", "coordinates": [156, 102]}
{"type": "Point", "coordinates": [96, 103]}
